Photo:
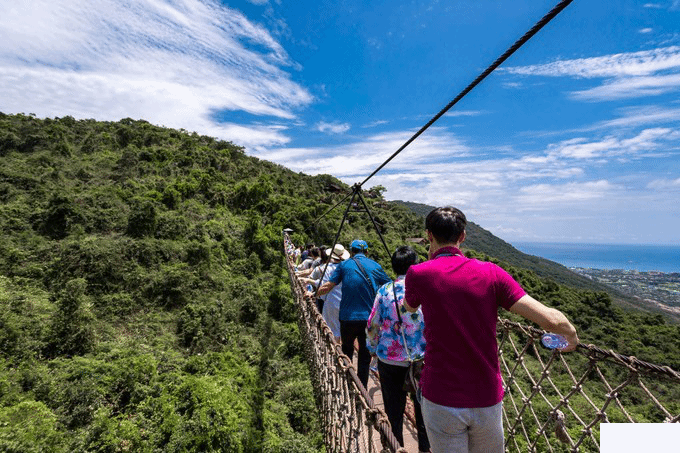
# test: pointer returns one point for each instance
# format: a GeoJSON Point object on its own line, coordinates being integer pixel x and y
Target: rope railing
{"type": "Point", "coordinates": [553, 402]}
{"type": "Point", "coordinates": [556, 402]}
{"type": "Point", "coordinates": [351, 421]}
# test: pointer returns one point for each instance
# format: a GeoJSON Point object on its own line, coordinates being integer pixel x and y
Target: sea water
{"type": "Point", "coordinates": [662, 258]}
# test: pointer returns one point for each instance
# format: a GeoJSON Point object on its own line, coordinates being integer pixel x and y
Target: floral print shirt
{"type": "Point", "coordinates": [383, 337]}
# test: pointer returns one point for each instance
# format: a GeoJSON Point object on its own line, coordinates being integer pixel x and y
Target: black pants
{"type": "Point", "coordinates": [349, 331]}
{"type": "Point", "coordinates": [394, 398]}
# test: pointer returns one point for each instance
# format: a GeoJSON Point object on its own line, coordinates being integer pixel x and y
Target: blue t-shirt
{"type": "Point", "coordinates": [357, 293]}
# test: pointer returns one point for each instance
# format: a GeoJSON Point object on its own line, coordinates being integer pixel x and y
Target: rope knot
{"type": "Point", "coordinates": [560, 427]}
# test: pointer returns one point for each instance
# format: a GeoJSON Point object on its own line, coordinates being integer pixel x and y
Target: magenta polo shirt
{"type": "Point", "coordinates": [460, 299]}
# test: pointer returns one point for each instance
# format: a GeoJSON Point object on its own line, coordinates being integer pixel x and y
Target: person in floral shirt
{"type": "Point", "coordinates": [384, 339]}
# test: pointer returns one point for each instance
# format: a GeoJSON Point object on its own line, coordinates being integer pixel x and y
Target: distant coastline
{"type": "Point", "coordinates": [643, 258]}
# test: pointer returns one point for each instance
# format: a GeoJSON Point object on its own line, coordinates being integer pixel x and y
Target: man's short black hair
{"type": "Point", "coordinates": [403, 258]}
{"type": "Point", "coordinates": [446, 224]}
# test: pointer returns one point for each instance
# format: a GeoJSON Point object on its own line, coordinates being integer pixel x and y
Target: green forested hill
{"type": "Point", "coordinates": [144, 303]}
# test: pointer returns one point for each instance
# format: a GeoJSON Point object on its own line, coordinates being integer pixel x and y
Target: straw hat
{"type": "Point", "coordinates": [339, 252]}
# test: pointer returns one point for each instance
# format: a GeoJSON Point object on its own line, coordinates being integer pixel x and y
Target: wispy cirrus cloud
{"type": "Point", "coordinates": [665, 184]}
{"type": "Point", "coordinates": [333, 128]}
{"type": "Point", "coordinates": [626, 75]}
{"type": "Point", "coordinates": [541, 195]}
{"type": "Point", "coordinates": [169, 63]}
{"type": "Point", "coordinates": [375, 124]}
{"type": "Point", "coordinates": [360, 157]}
{"type": "Point", "coordinates": [647, 140]}
{"type": "Point", "coordinates": [630, 87]}
{"type": "Point", "coordinates": [622, 64]}
{"type": "Point", "coordinates": [639, 116]}
{"type": "Point", "coordinates": [455, 113]}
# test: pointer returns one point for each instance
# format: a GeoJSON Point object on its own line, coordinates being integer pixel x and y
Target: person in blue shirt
{"type": "Point", "coordinates": [360, 277]}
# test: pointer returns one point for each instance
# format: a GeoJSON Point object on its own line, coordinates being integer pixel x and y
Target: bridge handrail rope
{"type": "Point", "coordinates": [351, 420]}
{"type": "Point", "coordinates": [553, 402]}
{"type": "Point", "coordinates": [545, 389]}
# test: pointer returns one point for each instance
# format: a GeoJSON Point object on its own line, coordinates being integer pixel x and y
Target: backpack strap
{"type": "Point", "coordinates": [368, 278]}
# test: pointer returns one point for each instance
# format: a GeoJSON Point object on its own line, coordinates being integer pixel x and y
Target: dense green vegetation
{"type": "Point", "coordinates": [144, 303]}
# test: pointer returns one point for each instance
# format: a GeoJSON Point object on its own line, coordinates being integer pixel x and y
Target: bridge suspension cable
{"type": "Point", "coordinates": [511, 50]}
{"type": "Point", "coordinates": [519, 43]}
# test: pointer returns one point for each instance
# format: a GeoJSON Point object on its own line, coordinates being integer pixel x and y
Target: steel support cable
{"type": "Point", "coordinates": [328, 212]}
{"type": "Point", "coordinates": [519, 43]}
{"type": "Point", "coordinates": [368, 211]}
{"type": "Point", "coordinates": [337, 236]}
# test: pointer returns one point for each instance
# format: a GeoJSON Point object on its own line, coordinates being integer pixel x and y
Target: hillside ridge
{"type": "Point", "coordinates": [144, 300]}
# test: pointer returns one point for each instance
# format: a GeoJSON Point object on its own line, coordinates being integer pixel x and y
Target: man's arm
{"type": "Point", "coordinates": [325, 288]}
{"type": "Point", "coordinates": [304, 273]}
{"type": "Point", "coordinates": [548, 318]}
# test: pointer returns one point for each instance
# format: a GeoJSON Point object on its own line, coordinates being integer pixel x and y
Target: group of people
{"type": "Point", "coordinates": [443, 309]}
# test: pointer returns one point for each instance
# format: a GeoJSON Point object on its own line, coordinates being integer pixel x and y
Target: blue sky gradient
{"type": "Point", "coordinates": [574, 139]}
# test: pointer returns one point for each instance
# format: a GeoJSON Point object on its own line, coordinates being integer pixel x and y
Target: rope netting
{"type": "Point", "coordinates": [553, 402]}
{"type": "Point", "coordinates": [556, 402]}
{"type": "Point", "coordinates": [351, 421]}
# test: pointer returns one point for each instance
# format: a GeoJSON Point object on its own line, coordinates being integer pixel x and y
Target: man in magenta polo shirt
{"type": "Point", "coordinates": [462, 390]}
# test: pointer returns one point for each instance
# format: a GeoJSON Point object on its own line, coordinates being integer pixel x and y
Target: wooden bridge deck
{"type": "Point", "coordinates": [409, 432]}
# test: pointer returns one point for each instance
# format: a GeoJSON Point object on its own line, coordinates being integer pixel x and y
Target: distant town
{"type": "Point", "coordinates": [659, 289]}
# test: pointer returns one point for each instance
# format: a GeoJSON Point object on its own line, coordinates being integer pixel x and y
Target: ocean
{"type": "Point", "coordinates": [662, 258]}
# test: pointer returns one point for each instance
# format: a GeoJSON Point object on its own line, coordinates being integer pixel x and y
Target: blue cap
{"type": "Point", "coordinates": [358, 244]}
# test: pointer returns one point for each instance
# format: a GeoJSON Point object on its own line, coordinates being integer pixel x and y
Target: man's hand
{"type": "Point", "coordinates": [548, 318]}
{"type": "Point", "coordinates": [325, 288]}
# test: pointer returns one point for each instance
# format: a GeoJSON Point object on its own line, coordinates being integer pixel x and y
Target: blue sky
{"type": "Point", "coordinates": [575, 138]}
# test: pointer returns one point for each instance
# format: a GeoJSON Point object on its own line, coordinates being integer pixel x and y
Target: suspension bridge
{"type": "Point", "coordinates": [553, 402]}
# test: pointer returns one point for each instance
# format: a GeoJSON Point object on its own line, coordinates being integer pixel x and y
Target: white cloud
{"type": "Point", "coordinates": [630, 87]}
{"type": "Point", "coordinates": [375, 123]}
{"type": "Point", "coordinates": [645, 30]}
{"type": "Point", "coordinates": [627, 75]}
{"type": "Point", "coordinates": [580, 148]}
{"type": "Point", "coordinates": [542, 195]}
{"type": "Point", "coordinates": [652, 5]}
{"type": "Point", "coordinates": [623, 64]}
{"type": "Point", "coordinates": [665, 184]}
{"type": "Point", "coordinates": [171, 64]}
{"type": "Point", "coordinates": [526, 194]}
{"type": "Point", "coordinates": [358, 159]}
{"type": "Point", "coordinates": [454, 113]}
{"type": "Point", "coordinates": [333, 128]}
{"type": "Point", "coordinates": [638, 116]}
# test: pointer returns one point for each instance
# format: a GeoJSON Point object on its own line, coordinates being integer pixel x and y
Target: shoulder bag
{"type": "Point", "coordinates": [415, 367]}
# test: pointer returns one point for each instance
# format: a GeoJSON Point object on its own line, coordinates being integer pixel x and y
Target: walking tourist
{"type": "Point", "coordinates": [396, 338]}
{"type": "Point", "coordinates": [360, 277]}
{"type": "Point", "coordinates": [461, 385]}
